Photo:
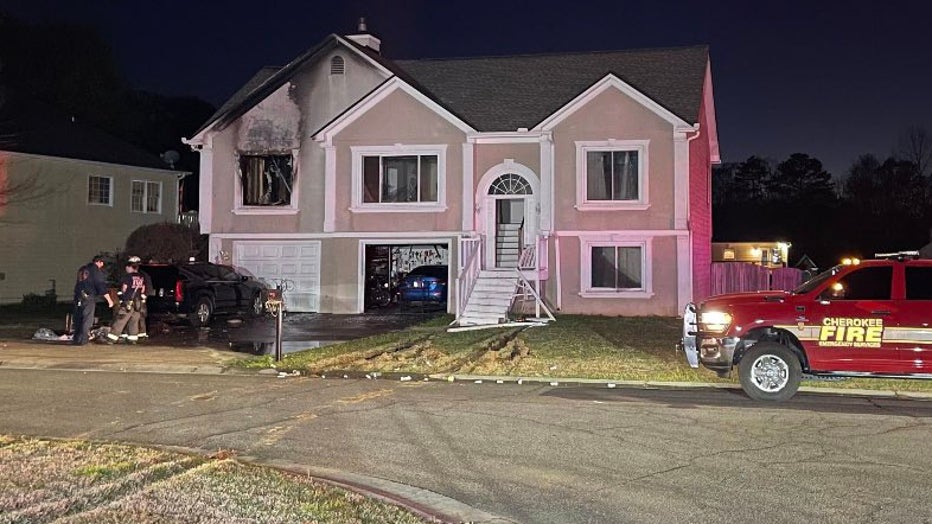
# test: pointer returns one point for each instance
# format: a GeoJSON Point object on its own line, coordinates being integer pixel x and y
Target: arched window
{"type": "Point", "coordinates": [337, 65]}
{"type": "Point", "coordinates": [510, 184]}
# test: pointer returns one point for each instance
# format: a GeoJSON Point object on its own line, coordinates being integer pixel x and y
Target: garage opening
{"type": "Point", "coordinates": [386, 267]}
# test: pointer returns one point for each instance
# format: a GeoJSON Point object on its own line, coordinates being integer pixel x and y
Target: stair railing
{"type": "Point", "coordinates": [470, 264]}
{"type": "Point", "coordinates": [530, 260]}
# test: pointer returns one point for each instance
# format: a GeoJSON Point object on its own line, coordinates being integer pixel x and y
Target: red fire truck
{"type": "Point", "coordinates": [868, 318]}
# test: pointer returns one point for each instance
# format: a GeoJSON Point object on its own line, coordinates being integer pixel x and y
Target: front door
{"type": "Point", "coordinates": [510, 218]}
{"type": "Point", "coordinates": [509, 230]}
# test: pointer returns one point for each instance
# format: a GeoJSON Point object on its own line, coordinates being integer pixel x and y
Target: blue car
{"type": "Point", "coordinates": [425, 285]}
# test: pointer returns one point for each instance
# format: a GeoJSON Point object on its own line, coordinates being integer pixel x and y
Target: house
{"type": "Point", "coordinates": [766, 254]}
{"type": "Point", "coordinates": [69, 191]}
{"type": "Point", "coordinates": [584, 174]}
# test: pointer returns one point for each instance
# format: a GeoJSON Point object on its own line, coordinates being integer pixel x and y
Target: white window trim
{"type": "Point", "coordinates": [358, 152]}
{"type": "Point", "coordinates": [109, 197]}
{"type": "Point", "coordinates": [584, 147]}
{"type": "Point", "coordinates": [145, 197]}
{"type": "Point", "coordinates": [585, 265]}
{"type": "Point", "coordinates": [291, 209]}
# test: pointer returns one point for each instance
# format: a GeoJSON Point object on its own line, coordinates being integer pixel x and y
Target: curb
{"type": "Point", "coordinates": [641, 384]}
{"type": "Point", "coordinates": [420, 501]}
{"type": "Point", "coordinates": [206, 369]}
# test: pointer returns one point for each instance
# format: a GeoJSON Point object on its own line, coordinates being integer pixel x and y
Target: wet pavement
{"type": "Point", "coordinates": [300, 331]}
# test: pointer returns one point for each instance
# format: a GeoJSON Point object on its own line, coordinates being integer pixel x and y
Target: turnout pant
{"type": "Point", "coordinates": [143, 313]}
{"type": "Point", "coordinates": [125, 319]}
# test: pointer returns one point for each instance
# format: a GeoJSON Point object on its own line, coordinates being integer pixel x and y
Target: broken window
{"type": "Point", "coordinates": [267, 180]}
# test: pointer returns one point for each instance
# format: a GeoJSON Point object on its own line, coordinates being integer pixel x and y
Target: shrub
{"type": "Point", "coordinates": [165, 242]}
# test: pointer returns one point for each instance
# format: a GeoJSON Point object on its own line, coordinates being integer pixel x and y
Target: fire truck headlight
{"type": "Point", "coordinates": [714, 321]}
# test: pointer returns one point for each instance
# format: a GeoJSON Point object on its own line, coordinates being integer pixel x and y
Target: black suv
{"type": "Point", "coordinates": [199, 290]}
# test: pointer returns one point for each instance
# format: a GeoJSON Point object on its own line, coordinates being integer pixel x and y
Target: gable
{"type": "Point", "coordinates": [512, 92]}
{"type": "Point", "coordinates": [375, 98]}
{"type": "Point", "coordinates": [270, 79]}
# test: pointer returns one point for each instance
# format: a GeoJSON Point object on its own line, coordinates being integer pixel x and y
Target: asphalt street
{"type": "Point", "coordinates": [531, 453]}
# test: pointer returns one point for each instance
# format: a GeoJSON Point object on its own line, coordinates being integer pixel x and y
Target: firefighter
{"type": "Point", "coordinates": [143, 310]}
{"type": "Point", "coordinates": [131, 288]}
{"type": "Point", "coordinates": [88, 287]}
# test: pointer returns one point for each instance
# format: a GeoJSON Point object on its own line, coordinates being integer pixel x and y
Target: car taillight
{"type": "Point", "coordinates": [179, 293]}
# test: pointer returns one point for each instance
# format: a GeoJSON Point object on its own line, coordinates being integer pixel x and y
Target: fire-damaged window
{"type": "Point", "coordinates": [267, 180]}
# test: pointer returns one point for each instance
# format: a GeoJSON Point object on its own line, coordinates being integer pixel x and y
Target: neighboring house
{"type": "Point", "coordinates": [767, 254]}
{"type": "Point", "coordinates": [590, 171]}
{"type": "Point", "coordinates": [69, 191]}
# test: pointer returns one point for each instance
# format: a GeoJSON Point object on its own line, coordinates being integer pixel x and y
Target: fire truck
{"type": "Point", "coordinates": [869, 318]}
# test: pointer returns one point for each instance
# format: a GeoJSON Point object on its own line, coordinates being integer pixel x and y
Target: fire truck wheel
{"type": "Point", "coordinates": [770, 371]}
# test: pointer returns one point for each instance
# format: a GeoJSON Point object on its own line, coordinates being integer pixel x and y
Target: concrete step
{"type": "Point", "coordinates": [480, 321]}
{"type": "Point", "coordinates": [508, 227]}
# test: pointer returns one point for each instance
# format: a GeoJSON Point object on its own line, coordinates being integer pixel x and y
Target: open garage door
{"type": "Point", "coordinates": [295, 266]}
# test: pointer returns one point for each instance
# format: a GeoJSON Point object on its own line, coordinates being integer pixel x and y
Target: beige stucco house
{"type": "Point", "coordinates": [584, 176]}
{"type": "Point", "coordinates": [68, 192]}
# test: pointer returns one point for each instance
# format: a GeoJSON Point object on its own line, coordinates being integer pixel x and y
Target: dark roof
{"type": "Point", "coordinates": [509, 92]}
{"type": "Point", "coordinates": [30, 126]}
{"type": "Point", "coordinates": [263, 84]}
{"type": "Point", "coordinates": [242, 94]}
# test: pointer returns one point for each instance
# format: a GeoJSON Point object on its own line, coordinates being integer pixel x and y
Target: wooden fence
{"type": "Point", "coordinates": [736, 277]}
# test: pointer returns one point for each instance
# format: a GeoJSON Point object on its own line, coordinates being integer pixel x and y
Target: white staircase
{"type": "Point", "coordinates": [507, 245]}
{"type": "Point", "coordinates": [491, 297]}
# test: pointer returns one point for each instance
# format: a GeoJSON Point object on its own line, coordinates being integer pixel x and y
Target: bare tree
{"type": "Point", "coordinates": [915, 145]}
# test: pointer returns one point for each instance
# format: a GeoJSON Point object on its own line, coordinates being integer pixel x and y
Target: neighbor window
{"type": "Point", "coordinates": [400, 179]}
{"type": "Point", "coordinates": [100, 190]}
{"type": "Point", "coordinates": [612, 174]}
{"type": "Point", "coordinates": [146, 196]}
{"type": "Point", "coordinates": [267, 180]}
{"type": "Point", "coordinates": [615, 269]}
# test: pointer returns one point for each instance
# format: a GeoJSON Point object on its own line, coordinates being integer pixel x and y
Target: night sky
{"type": "Point", "coordinates": [829, 78]}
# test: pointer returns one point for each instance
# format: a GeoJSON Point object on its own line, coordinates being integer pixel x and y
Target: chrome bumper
{"type": "Point", "coordinates": [716, 354]}
{"type": "Point", "coordinates": [690, 332]}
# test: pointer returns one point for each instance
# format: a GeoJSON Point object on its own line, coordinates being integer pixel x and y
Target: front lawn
{"type": "Point", "coordinates": [575, 346]}
{"type": "Point", "coordinates": [80, 482]}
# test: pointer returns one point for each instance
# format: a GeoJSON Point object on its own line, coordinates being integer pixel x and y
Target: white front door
{"type": "Point", "coordinates": [295, 266]}
{"type": "Point", "coordinates": [508, 202]}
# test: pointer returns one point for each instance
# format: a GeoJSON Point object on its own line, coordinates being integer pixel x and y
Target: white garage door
{"type": "Point", "coordinates": [293, 265]}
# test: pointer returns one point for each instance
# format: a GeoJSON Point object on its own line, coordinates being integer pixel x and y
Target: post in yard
{"type": "Point", "coordinates": [276, 305]}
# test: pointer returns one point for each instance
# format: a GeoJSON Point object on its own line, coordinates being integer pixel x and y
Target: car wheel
{"type": "Point", "coordinates": [770, 371]}
{"type": "Point", "coordinates": [258, 306]}
{"type": "Point", "coordinates": [202, 313]}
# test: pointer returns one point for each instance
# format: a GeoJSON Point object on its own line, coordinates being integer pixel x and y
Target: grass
{"type": "Point", "coordinates": [575, 346]}
{"type": "Point", "coordinates": [80, 482]}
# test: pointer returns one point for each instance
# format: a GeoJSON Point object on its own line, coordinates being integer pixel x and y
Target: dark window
{"type": "Point", "coordinates": [616, 267]}
{"type": "Point", "coordinates": [400, 179]}
{"type": "Point", "coordinates": [869, 283]}
{"type": "Point", "coordinates": [612, 175]}
{"type": "Point", "coordinates": [919, 283]}
{"type": "Point", "coordinates": [267, 179]}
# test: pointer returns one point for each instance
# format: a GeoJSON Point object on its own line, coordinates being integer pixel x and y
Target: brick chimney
{"type": "Point", "coordinates": [363, 38]}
